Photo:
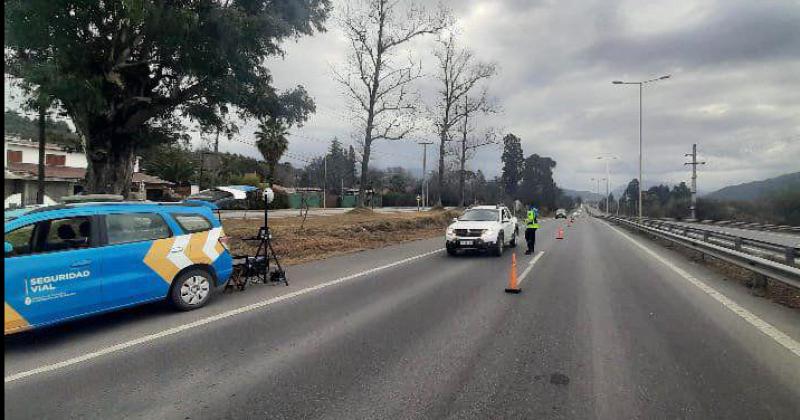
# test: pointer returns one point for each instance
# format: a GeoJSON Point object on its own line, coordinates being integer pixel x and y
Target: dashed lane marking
{"type": "Point", "coordinates": [529, 267]}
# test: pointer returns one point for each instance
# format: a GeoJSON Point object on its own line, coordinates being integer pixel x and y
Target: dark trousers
{"type": "Point", "coordinates": [530, 238]}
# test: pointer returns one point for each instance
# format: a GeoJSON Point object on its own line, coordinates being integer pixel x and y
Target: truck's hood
{"type": "Point", "coordinates": [475, 225]}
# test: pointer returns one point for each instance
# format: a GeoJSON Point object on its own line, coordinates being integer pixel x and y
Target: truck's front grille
{"type": "Point", "coordinates": [469, 233]}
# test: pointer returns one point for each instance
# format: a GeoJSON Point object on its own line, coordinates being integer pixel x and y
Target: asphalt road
{"type": "Point", "coordinates": [602, 329]}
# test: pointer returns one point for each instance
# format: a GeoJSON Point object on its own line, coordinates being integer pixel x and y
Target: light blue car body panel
{"type": "Point", "coordinates": [52, 287]}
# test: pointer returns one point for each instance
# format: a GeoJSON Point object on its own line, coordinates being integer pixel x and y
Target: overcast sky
{"type": "Point", "coordinates": [735, 87]}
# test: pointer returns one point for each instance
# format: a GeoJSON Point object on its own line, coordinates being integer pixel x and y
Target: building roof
{"type": "Point", "coordinates": [69, 173]}
{"type": "Point", "coordinates": [66, 173]}
{"type": "Point", "coordinates": [19, 141]}
{"type": "Point", "coordinates": [149, 179]}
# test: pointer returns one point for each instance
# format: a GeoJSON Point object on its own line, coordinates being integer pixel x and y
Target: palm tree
{"type": "Point", "coordinates": [271, 141]}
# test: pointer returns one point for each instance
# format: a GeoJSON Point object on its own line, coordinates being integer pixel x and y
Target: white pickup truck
{"type": "Point", "coordinates": [482, 228]}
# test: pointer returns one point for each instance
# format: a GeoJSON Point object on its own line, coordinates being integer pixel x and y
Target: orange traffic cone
{"type": "Point", "coordinates": [560, 234]}
{"type": "Point", "coordinates": [512, 277]}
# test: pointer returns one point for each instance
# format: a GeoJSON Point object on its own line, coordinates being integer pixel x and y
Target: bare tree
{"type": "Point", "coordinates": [380, 85]}
{"type": "Point", "coordinates": [459, 74]}
{"type": "Point", "coordinates": [467, 149]}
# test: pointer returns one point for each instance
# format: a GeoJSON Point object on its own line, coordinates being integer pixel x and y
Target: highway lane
{"type": "Point", "coordinates": [601, 330]}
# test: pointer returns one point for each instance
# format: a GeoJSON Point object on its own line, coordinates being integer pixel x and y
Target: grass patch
{"type": "Point", "coordinates": [326, 236]}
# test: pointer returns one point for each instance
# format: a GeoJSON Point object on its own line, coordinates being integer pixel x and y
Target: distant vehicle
{"type": "Point", "coordinates": [482, 228]}
{"type": "Point", "coordinates": [231, 197]}
{"type": "Point", "coordinates": [73, 260]}
{"type": "Point", "coordinates": [561, 214]}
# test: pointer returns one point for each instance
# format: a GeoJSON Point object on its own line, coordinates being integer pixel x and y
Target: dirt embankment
{"type": "Point", "coordinates": [325, 236]}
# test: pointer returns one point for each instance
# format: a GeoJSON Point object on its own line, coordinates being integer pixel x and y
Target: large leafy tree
{"type": "Point", "coordinates": [130, 72]}
{"type": "Point", "coordinates": [538, 187]}
{"type": "Point", "coordinates": [513, 163]}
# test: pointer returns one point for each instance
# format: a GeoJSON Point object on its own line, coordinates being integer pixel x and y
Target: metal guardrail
{"type": "Point", "coordinates": [735, 250]}
{"type": "Point", "coordinates": [744, 225]}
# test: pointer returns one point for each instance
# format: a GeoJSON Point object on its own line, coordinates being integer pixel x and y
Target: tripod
{"type": "Point", "coordinates": [256, 268]}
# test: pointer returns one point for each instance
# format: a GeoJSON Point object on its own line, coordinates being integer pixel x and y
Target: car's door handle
{"type": "Point", "coordinates": [81, 263]}
{"type": "Point", "coordinates": [176, 250]}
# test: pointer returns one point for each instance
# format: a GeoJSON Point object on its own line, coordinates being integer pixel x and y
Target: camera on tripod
{"type": "Point", "coordinates": [256, 268]}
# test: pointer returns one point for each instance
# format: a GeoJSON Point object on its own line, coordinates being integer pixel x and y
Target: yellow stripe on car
{"type": "Point", "coordinates": [13, 321]}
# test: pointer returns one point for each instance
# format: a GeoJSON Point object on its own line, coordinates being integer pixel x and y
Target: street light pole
{"type": "Point", "coordinates": [607, 178]}
{"type": "Point", "coordinates": [641, 85]}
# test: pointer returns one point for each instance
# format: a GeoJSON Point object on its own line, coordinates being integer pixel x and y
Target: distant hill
{"type": "Point", "coordinates": [752, 191]}
{"type": "Point", "coordinates": [584, 195]}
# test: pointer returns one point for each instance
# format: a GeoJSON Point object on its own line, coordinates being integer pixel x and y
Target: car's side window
{"type": "Point", "coordinates": [192, 223]}
{"type": "Point", "coordinates": [135, 227]}
{"type": "Point", "coordinates": [64, 234]}
{"type": "Point", "coordinates": [21, 239]}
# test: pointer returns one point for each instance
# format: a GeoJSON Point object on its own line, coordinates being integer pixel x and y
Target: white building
{"type": "Point", "coordinates": [64, 173]}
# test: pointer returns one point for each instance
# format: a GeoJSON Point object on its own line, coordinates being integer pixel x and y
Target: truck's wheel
{"type": "Point", "coordinates": [192, 289]}
{"type": "Point", "coordinates": [498, 248]}
{"type": "Point", "coordinates": [451, 252]}
{"type": "Point", "coordinates": [513, 242]}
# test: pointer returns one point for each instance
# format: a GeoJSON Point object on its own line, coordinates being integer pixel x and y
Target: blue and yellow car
{"type": "Point", "coordinates": [73, 260]}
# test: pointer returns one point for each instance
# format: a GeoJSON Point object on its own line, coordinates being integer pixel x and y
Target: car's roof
{"type": "Point", "coordinates": [127, 205]}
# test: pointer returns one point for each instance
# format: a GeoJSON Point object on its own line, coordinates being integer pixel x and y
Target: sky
{"type": "Point", "coordinates": [733, 90]}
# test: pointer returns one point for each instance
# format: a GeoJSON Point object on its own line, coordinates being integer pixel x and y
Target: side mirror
{"type": "Point", "coordinates": [455, 219]}
{"type": "Point", "coordinates": [8, 247]}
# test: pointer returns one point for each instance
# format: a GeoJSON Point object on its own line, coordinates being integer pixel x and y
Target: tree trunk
{"type": "Point", "coordinates": [110, 164]}
{"type": "Point", "coordinates": [362, 189]}
{"type": "Point", "coordinates": [462, 175]}
{"type": "Point", "coordinates": [41, 168]}
{"type": "Point", "coordinates": [442, 139]}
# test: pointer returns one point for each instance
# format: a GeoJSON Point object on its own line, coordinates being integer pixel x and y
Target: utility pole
{"type": "Point", "coordinates": [324, 180]}
{"type": "Point", "coordinates": [42, 142]}
{"type": "Point", "coordinates": [694, 163]}
{"type": "Point", "coordinates": [425, 172]}
{"type": "Point", "coordinates": [608, 177]}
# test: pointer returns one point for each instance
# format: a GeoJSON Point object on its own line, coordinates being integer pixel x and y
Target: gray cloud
{"type": "Point", "coordinates": [735, 67]}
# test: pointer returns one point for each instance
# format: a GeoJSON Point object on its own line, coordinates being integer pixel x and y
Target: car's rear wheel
{"type": "Point", "coordinates": [192, 289]}
{"type": "Point", "coordinates": [513, 242]}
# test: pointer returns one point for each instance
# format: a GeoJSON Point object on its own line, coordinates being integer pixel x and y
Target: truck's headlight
{"type": "Point", "coordinates": [450, 231]}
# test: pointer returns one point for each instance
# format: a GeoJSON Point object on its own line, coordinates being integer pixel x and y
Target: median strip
{"type": "Point", "coordinates": [172, 331]}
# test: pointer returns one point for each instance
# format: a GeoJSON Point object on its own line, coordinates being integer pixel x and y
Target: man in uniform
{"type": "Point", "coordinates": [531, 224]}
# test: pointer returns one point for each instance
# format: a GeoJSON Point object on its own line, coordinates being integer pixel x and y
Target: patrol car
{"type": "Point", "coordinates": [72, 260]}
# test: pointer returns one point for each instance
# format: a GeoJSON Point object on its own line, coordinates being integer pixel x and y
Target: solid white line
{"type": "Point", "coordinates": [529, 267]}
{"type": "Point", "coordinates": [204, 321]}
{"type": "Point", "coordinates": [766, 328]}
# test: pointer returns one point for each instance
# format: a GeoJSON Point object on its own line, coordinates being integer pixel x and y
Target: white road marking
{"type": "Point", "coordinates": [175, 330]}
{"type": "Point", "coordinates": [766, 328]}
{"type": "Point", "coordinates": [529, 267]}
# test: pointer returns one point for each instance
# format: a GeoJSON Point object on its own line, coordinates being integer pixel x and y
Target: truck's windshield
{"type": "Point", "coordinates": [479, 215]}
